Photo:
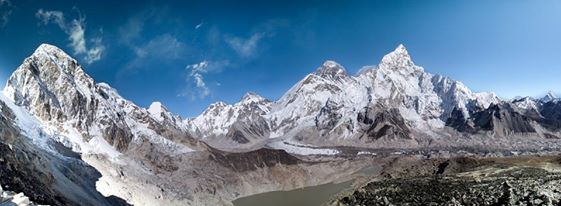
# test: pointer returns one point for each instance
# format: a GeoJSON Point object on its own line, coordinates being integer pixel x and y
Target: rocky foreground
{"type": "Point", "coordinates": [462, 181]}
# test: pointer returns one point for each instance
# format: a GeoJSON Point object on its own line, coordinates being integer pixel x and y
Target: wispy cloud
{"type": "Point", "coordinates": [75, 29]}
{"type": "Point", "coordinates": [95, 52]}
{"type": "Point", "coordinates": [197, 71]}
{"type": "Point", "coordinates": [250, 46]}
{"type": "Point", "coordinates": [147, 47]}
{"type": "Point", "coordinates": [196, 76]}
{"type": "Point", "coordinates": [245, 47]}
{"type": "Point", "coordinates": [163, 46]}
{"type": "Point", "coordinates": [5, 12]}
{"type": "Point", "coordinates": [198, 26]}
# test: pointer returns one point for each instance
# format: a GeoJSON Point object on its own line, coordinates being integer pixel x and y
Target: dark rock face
{"type": "Point", "coordinates": [503, 120]}
{"type": "Point", "coordinates": [459, 121]}
{"type": "Point", "coordinates": [551, 113]}
{"type": "Point", "coordinates": [237, 136]}
{"type": "Point", "coordinates": [248, 161]}
{"type": "Point", "coordinates": [383, 122]}
{"type": "Point", "coordinates": [500, 118]}
{"type": "Point", "coordinates": [29, 179]}
{"type": "Point", "coordinates": [328, 116]}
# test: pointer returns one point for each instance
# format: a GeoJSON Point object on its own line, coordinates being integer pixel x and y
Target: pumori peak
{"type": "Point", "coordinates": [48, 49]}
{"type": "Point", "coordinates": [49, 53]}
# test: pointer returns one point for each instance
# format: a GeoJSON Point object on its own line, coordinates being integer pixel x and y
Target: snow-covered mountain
{"type": "Point", "coordinates": [332, 107]}
{"type": "Point", "coordinates": [391, 104]}
{"type": "Point", "coordinates": [55, 89]}
{"type": "Point", "coordinates": [241, 123]}
{"type": "Point", "coordinates": [63, 131]}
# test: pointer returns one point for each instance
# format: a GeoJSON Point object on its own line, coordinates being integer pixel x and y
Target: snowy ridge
{"type": "Point", "coordinates": [328, 100]}
{"type": "Point", "coordinates": [240, 122]}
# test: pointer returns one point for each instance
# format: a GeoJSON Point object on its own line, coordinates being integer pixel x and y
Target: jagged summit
{"type": "Point", "coordinates": [330, 69]}
{"type": "Point", "coordinates": [399, 58]}
{"type": "Point", "coordinates": [401, 49]}
{"type": "Point", "coordinates": [550, 96]}
{"type": "Point", "coordinates": [252, 97]}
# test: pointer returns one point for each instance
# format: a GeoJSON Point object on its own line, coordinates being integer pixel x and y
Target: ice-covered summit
{"type": "Point", "coordinates": [550, 96]}
{"type": "Point", "coordinates": [252, 97]}
{"type": "Point", "coordinates": [157, 110]}
{"type": "Point", "coordinates": [399, 58]}
{"type": "Point", "coordinates": [330, 69]}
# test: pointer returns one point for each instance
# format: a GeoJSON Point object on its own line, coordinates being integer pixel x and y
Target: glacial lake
{"type": "Point", "coordinates": [307, 196]}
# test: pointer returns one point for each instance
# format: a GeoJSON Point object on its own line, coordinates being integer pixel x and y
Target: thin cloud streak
{"type": "Point", "coordinates": [75, 29]}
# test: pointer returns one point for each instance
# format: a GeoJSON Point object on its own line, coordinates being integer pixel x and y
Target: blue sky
{"type": "Point", "coordinates": [188, 54]}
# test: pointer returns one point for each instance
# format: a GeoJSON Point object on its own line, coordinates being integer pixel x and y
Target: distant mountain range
{"type": "Point", "coordinates": [68, 130]}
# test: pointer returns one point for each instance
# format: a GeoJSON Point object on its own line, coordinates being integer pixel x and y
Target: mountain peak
{"type": "Point", "coordinates": [50, 50]}
{"type": "Point", "coordinates": [401, 49]}
{"type": "Point", "coordinates": [550, 96]}
{"type": "Point", "coordinates": [157, 110]}
{"type": "Point", "coordinates": [251, 97]}
{"type": "Point", "coordinates": [330, 68]}
{"type": "Point", "coordinates": [398, 58]}
{"type": "Point", "coordinates": [49, 57]}
{"type": "Point", "coordinates": [47, 47]}
{"type": "Point", "coordinates": [53, 69]}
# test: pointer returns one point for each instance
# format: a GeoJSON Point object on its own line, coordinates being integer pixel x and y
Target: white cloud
{"type": "Point", "coordinates": [132, 29]}
{"type": "Point", "coordinates": [94, 54]}
{"type": "Point", "coordinates": [75, 29]}
{"type": "Point", "coordinates": [245, 47]}
{"type": "Point", "coordinates": [163, 46]}
{"type": "Point", "coordinates": [198, 26]}
{"type": "Point", "coordinates": [196, 74]}
{"type": "Point", "coordinates": [76, 35]}
{"type": "Point", "coordinates": [55, 16]}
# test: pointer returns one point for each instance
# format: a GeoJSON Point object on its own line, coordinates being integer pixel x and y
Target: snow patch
{"type": "Point", "coordinates": [301, 149]}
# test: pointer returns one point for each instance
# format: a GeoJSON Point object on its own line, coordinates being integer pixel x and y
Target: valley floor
{"type": "Point", "coordinates": [516, 180]}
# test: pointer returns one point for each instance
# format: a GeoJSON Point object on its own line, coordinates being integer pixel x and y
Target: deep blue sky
{"type": "Point", "coordinates": [144, 48]}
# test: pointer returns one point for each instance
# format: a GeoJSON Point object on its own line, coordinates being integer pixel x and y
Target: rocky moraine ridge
{"type": "Point", "coordinates": [69, 140]}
